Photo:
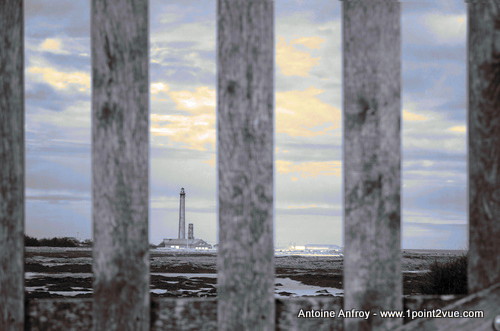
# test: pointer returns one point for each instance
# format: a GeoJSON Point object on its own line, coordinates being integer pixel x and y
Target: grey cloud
{"type": "Point", "coordinates": [418, 7]}
{"type": "Point", "coordinates": [66, 219]}
{"type": "Point", "coordinates": [183, 74]}
{"type": "Point", "coordinates": [304, 229]}
{"type": "Point", "coordinates": [52, 174]}
{"type": "Point", "coordinates": [455, 108]}
{"type": "Point", "coordinates": [169, 174]}
{"type": "Point", "coordinates": [191, 209]}
{"type": "Point", "coordinates": [434, 53]}
{"type": "Point", "coordinates": [434, 236]}
{"type": "Point", "coordinates": [421, 155]}
{"type": "Point", "coordinates": [176, 153]}
{"type": "Point", "coordinates": [323, 10]}
{"type": "Point", "coordinates": [52, 8]}
{"type": "Point", "coordinates": [433, 83]}
{"type": "Point", "coordinates": [439, 164]}
{"type": "Point", "coordinates": [437, 198]}
{"type": "Point", "coordinates": [309, 211]}
{"type": "Point", "coordinates": [68, 62]}
{"type": "Point", "coordinates": [286, 84]}
{"type": "Point", "coordinates": [302, 152]}
{"type": "Point", "coordinates": [319, 190]}
{"type": "Point", "coordinates": [36, 149]}
{"type": "Point", "coordinates": [43, 96]}
{"type": "Point", "coordinates": [46, 18]}
{"type": "Point", "coordinates": [57, 198]}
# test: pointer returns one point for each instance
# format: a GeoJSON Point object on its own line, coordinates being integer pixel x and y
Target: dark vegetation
{"type": "Point", "coordinates": [448, 277]}
{"type": "Point", "coordinates": [52, 242]}
{"type": "Point", "coordinates": [60, 242]}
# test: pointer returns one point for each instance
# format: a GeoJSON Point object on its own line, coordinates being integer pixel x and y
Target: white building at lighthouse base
{"type": "Point", "coordinates": [198, 244]}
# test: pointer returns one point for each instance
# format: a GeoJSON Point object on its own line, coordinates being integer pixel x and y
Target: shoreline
{"type": "Point", "coordinates": [67, 272]}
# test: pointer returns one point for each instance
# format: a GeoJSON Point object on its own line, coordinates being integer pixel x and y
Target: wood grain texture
{"type": "Point", "coordinates": [184, 314]}
{"type": "Point", "coordinates": [59, 314]}
{"type": "Point", "coordinates": [428, 302]}
{"type": "Point", "coordinates": [372, 161]}
{"type": "Point", "coordinates": [486, 301]}
{"type": "Point", "coordinates": [484, 144]}
{"type": "Point", "coordinates": [120, 150]}
{"type": "Point", "coordinates": [287, 312]}
{"type": "Point", "coordinates": [11, 165]}
{"type": "Point", "coordinates": [245, 121]}
{"type": "Point", "coordinates": [200, 314]}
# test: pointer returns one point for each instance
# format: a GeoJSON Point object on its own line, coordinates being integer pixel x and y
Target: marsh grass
{"type": "Point", "coordinates": [448, 277]}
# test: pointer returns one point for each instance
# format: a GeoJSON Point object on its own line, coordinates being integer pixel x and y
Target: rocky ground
{"type": "Point", "coordinates": [67, 272]}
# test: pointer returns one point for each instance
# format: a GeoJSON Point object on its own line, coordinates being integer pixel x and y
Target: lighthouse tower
{"type": "Point", "coordinates": [182, 215]}
{"type": "Point", "coordinates": [182, 242]}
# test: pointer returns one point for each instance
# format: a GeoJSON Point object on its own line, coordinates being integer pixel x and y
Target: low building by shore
{"type": "Point", "coordinates": [186, 244]}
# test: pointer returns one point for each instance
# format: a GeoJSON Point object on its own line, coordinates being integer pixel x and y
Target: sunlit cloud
{"type": "Point", "coordinates": [309, 42]}
{"type": "Point", "coordinates": [60, 80]}
{"type": "Point", "coordinates": [303, 114]}
{"type": "Point", "coordinates": [310, 168]}
{"type": "Point", "coordinates": [447, 28]}
{"type": "Point", "coordinates": [51, 45]}
{"type": "Point", "coordinates": [292, 61]}
{"type": "Point", "coordinates": [159, 87]}
{"type": "Point", "coordinates": [409, 116]}
{"type": "Point", "coordinates": [200, 101]}
{"type": "Point", "coordinates": [194, 132]}
{"type": "Point", "coordinates": [458, 129]}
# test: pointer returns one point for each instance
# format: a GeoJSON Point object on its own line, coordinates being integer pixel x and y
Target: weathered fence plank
{"type": "Point", "coordinates": [59, 314]}
{"type": "Point", "coordinates": [484, 144]}
{"type": "Point", "coordinates": [245, 99]}
{"type": "Point", "coordinates": [120, 151]}
{"type": "Point", "coordinates": [372, 144]}
{"type": "Point", "coordinates": [11, 165]}
{"type": "Point", "coordinates": [201, 314]}
{"type": "Point", "coordinates": [289, 310]}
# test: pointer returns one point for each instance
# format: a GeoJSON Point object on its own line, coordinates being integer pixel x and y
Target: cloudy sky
{"type": "Point", "coordinates": [308, 120]}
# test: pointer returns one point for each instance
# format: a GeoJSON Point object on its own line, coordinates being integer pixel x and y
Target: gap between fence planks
{"type": "Point", "coordinates": [11, 165]}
